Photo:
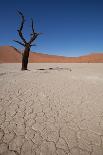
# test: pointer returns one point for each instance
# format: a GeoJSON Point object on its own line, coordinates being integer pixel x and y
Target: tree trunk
{"type": "Point", "coordinates": [25, 58]}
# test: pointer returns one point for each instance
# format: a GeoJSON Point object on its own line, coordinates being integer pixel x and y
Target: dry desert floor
{"type": "Point", "coordinates": [52, 109]}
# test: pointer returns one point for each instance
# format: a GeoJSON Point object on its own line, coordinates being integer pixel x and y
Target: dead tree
{"type": "Point", "coordinates": [27, 45]}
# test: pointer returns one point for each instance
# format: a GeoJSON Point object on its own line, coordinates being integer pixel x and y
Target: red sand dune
{"type": "Point", "coordinates": [10, 54]}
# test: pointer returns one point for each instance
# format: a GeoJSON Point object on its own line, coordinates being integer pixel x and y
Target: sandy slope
{"type": "Point", "coordinates": [55, 111]}
{"type": "Point", "coordinates": [9, 54]}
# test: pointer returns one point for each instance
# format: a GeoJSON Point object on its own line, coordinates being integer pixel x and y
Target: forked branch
{"type": "Point", "coordinates": [21, 27]}
{"type": "Point", "coordinates": [34, 34]}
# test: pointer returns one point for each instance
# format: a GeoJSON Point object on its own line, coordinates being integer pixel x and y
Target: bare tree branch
{"type": "Point", "coordinates": [33, 34]}
{"type": "Point", "coordinates": [23, 19]}
{"type": "Point", "coordinates": [19, 43]}
{"type": "Point", "coordinates": [21, 27]}
{"type": "Point", "coordinates": [32, 25]}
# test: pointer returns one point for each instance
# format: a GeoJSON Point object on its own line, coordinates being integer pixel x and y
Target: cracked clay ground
{"type": "Point", "coordinates": [55, 111]}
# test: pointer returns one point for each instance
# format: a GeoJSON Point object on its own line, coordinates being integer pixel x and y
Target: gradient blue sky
{"type": "Point", "coordinates": [69, 27]}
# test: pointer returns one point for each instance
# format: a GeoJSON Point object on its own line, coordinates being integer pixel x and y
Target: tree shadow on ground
{"type": "Point", "coordinates": [56, 68]}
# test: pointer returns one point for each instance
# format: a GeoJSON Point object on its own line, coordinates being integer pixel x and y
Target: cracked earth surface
{"type": "Point", "coordinates": [51, 112]}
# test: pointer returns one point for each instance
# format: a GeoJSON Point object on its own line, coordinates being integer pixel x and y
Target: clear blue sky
{"type": "Point", "coordinates": [69, 27]}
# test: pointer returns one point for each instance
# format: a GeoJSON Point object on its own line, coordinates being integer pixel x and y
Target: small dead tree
{"type": "Point", "coordinates": [24, 43]}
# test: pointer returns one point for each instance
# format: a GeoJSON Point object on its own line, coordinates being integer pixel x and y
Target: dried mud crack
{"type": "Point", "coordinates": [59, 113]}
